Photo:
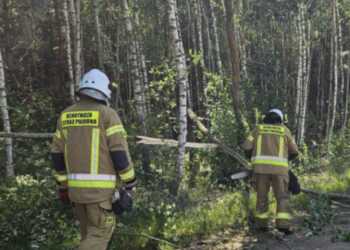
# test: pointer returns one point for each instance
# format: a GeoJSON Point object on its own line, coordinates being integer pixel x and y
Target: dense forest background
{"type": "Point", "coordinates": [227, 60]}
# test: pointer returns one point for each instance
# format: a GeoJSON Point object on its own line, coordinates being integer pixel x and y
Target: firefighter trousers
{"type": "Point", "coordinates": [97, 222]}
{"type": "Point", "coordinates": [279, 184]}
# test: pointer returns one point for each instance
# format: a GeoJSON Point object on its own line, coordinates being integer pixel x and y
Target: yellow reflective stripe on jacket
{"type": "Point", "coordinates": [61, 177]}
{"type": "Point", "coordinates": [262, 216]}
{"type": "Point", "coordinates": [270, 160]}
{"type": "Point", "coordinates": [117, 129]}
{"type": "Point", "coordinates": [281, 147]}
{"type": "Point", "coordinates": [127, 175]}
{"type": "Point", "coordinates": [91, 181]}
{"type": "Point", "coordinates": [58, 134]}
{"type": "Point", "coordinates": [271, 129]}
{"type": "Point", "coordinates": [66, 157]}
{"type": "Point", "coordinates": [258, 145]}
{"type": "Point", "coordinates": [95, 151]}
{"type": "Point", "coordinates": [283, 216]}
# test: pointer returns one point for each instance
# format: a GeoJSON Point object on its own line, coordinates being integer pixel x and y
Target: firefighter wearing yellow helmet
{"type": "Point", "coordinates": [269, 147]}
{"type": "Point", "coordinates": [90, 155]}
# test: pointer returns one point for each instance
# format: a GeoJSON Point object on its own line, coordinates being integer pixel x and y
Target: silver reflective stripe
{"type": "Point", "coordinates": [92, 177]}
{"type": "Point", "coordinates": [269, 158]}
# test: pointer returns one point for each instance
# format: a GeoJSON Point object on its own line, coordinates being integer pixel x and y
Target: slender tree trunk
{"type": "Point", "coordinates": [235, 65]}
{"type": "Point", "coordinates": [182, 80]}
{"type": "Point", "coordinates": [139, 90]}
{"type": "Point", "coordinates": [99, 45]}
{"type": "Point", "coordinates": [10, 171]}
{"type": "Point", "coordinates": [74, 9]}
{"type": "Point", "coordinates": [335, 72]}
{"type": "Point", "coordinates": [136, 77]}
{"type": "Point", "coordinates": [67, 35]}
{"type": "Point", "coordinates": [346, 101]}
{"type": "Point", "coordinates": [215, 37]}
{"type": "Point", "coordinates": [300, 70]}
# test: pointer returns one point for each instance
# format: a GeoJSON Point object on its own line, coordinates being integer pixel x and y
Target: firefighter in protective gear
{"type": "Point", "coordinates": [91, 159]}
{"type": "Point", "coordinates": [269, 147]}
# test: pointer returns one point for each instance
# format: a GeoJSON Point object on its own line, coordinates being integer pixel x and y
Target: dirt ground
{"type": "Point", "coordinates": [302, 239]}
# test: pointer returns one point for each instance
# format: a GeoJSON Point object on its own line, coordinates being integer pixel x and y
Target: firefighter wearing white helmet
{"type": "Point", "coordinates": [269, 147]}
{"type": "Point", "coordinates": [90, 156]}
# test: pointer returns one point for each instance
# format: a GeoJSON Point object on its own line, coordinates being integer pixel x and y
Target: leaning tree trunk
{"type": "Point", "coordinates": [67, 35]}
{"type": "Point", "coordinates": [235, 65]}
{"type": "Point", "coordinates": [6, 121]}
{"type": "Point", "coordinates": [182, 81]}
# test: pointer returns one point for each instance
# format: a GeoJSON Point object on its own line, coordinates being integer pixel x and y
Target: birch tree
{"type": "Point", "coordinates": [334, 57]}
{"type": "Point", "coordinates": [182, 81]}
{"type": "Point", "coordinates": [6, 121]}
{"type": "Point", "coordinates": [67, 35]}
{"type": "Point", "coordinates": [304, 31]}
{"type": "Point", "coordinates": [137, 77]}
{"type": "Point", "coordinates": [74, 9]}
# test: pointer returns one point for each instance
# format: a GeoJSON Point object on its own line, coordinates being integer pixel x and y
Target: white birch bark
{"type": "Point", "coordinates": [67, 35]}
{"type": "Point", "coordinates": [74, 9]}
{"type": "Point", "coordinates": [335, 73]}
{"type": "Point", "coordinates": [182, 81]}
{"type": "Point", "coordinates": [346, 101]}
{"type": "Point", "coordinates": [136, 77]}
{"type": "Point", "coordinates": [299, 77]}
{"type": "Point", "coordinates": [10, 172]}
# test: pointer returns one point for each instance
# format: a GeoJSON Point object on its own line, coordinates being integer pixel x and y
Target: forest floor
{"type": "Point", "coordinates": [302, 239]}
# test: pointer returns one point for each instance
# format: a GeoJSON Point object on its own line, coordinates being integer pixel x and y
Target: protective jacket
{"type": "Point", "coordinates": [270, 146]}
{"type": "Point", "coordinates": [90, 152]}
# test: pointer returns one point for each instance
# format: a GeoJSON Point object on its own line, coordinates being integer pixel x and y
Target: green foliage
{"type": "Point", "coordinates": [207, 218]}
{"type": "Point", "coordinates": [31, 217]}
{"type": "Point", "coordinates": [320, 214]}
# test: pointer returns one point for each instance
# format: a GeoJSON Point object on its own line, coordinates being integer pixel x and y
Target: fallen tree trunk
{"type": "Point", "coordinates": [221, 145]}
{"type": "Point", "coordinates": [332, 196]}
{"type": "Point", "coordinates": [25, 135]}
{"type": "Point", "coordinates": [173, 143]}
{"type": "Point", "coordinates": [142, 140]}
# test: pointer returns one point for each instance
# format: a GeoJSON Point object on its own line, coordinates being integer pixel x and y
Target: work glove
{"type": "Point", "coordinates": [122, 201]}
{"type": "Point", "coordinates": [294, 185]}
{"type": "Point", "coordinates": [63, 195]}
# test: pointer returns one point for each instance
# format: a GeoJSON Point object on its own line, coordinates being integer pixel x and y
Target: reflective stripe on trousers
{"type": "Point", "coordinates": [270, 160]}
{"type": "Point", "coordinates": [283, 216]}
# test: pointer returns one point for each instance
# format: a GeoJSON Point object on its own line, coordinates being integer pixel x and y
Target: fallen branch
{"type": "Point", "coordinates": [335, 196]}
{"type": "Point", "coordinates": [173, 143]}
{"type": "Point", "coordinates": [25, 135]}
{"type": "Point", "coordinates": [221, 145]}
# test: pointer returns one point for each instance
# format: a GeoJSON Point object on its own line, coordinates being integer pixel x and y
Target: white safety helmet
{"type": "Point", "coordinates": [277, 112]}
{"type": "Point", "coordinates": [95, 85]}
